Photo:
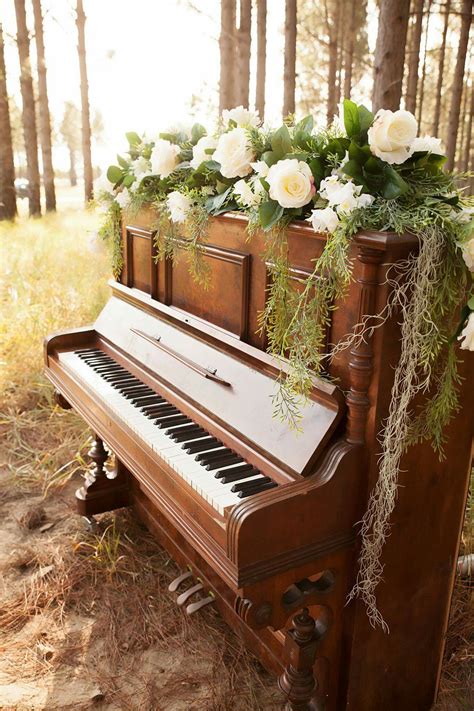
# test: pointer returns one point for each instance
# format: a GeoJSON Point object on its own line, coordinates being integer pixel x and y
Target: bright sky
{"type": "Point", "coordinates": [146, 61]}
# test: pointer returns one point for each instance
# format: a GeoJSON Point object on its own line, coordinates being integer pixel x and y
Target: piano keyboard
{"type": "Point", "coordinates": [214, 471]}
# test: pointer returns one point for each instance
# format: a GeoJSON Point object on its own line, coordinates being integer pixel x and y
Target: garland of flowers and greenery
{"type": "Point", "coordinates": [373, 174]}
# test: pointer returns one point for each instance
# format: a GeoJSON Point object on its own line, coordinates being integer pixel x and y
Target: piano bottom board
{"type": "Point", "coordinates": [266, 645]}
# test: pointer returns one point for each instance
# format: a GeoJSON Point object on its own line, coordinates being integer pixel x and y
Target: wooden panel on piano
{"type": "Point", "coordinates": [140, 265]}
{"type": "Point", "coordinates": [228, 282]}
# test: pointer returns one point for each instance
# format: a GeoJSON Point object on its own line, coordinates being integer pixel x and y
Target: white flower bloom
{"type": "Point", "coordinates": [179, 127]}
{"type": "Point", "coordinates": [463, 216]}
{"type": "Point", "coordinates": [103, 185]}
{"type": "Point", "coordinates": [392, 134]}
{"type": "Point", "coordinates": [324, 220]}
{"type": "Point", "coordinates": [245, 195]}
{"type": "Point", "coordinates": [365, 200]}
{"type": "Point", "coordinates": [261, 168]}
{"type": "Point", "coordinates": [199, 151]}
{"type": "Point", "coordinates": [468, 254]}
{"type": "Point", "coordinates": [164, 158]}
{"type": "Point", "coordinates": [428, 144]}
{"type": "Point", "coordinates": [234, 153]}
{"type": "Point", "coordinates": [123, 198]}
{"type": "Point", "coordinates": [242, 117]}
{"type": "Point", "coordinates": [178, 206]}
{"type": "Point", "coordinates": [467, 336]}
{"type": "Point", "coordinates": [291, 182]}
{"type": "Point", "coordinates": [141, 167]}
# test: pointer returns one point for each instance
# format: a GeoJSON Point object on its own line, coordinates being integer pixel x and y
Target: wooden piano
{"type": "Point", "coordinates": [175, 379]}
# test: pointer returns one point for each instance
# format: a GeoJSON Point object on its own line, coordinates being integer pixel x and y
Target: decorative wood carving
{"type": "Point", "coordinates": [256, 616]}
{"type": "Point", "coordinates": [361, 355]}
{"type": "Point", "coordinates": [297, 681]}
{"type": "Point", "coordinates": [102, 491]}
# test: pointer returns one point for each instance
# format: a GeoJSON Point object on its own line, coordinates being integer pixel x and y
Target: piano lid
{"type": "Point", "coordinates": [232, 386]}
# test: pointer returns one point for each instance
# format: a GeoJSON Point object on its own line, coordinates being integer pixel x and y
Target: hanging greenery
{"type": "Point", "coordinates": [371, 173]}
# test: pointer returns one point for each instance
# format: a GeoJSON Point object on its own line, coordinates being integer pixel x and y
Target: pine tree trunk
{"type": "Point", "coordinates": [28, 112]}
{"type": "Point", "coordinates": [423, 72]}
{"type": "Point", "coordinates": [340, 53]}
{"type": "Point", "coordinates": [289, 76]}
{"type": "Point", "coordinates": [261, 57]}
{"type": "Point", "coordinates": [467, 145]}
{"type": "Point", "coordinates": [243, 51]}
{"type": "Point", "coordinates": [439, 86]}
{"type": "Point", "coordinates": [85, 111]}
{"type": "Point", "coordinates": [227, 55]}
{"type": "Point", "coordinates": [7, 167]}
{"type": "Point", "coordinates": [72, 167]}
{"type": "Point", "coordinates": [414, 56]}
{"type": "Point", "coordinates": [44, 116]}
{"type": "Point", "coordinates": [333, 27]}
{"type": "Point", "coordinates": [460, 151]}
{"type": "Point", "coordinates": [349, 55]}
{"type": "Point", "coordinates": [466, 17]}
{"type": "Point", "coordinates": [390, 54]}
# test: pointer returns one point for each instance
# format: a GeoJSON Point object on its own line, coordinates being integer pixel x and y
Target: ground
{"type": "Point", "coordinates": [86, 621]}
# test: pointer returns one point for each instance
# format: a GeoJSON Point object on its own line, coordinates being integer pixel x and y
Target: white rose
{"type": "Point", "coordinates": [242, 117]}
{"type": "Point", "coordinates": [245, 195]}
{"type": "Point", "coordinates": [141, 168]}
{"type": "Point", "coordinates": [468, 254]}
{"type": "Point", "coordinates": [467, 336]}
{"type": "Point", "coordinates": [123, 198]}
{"type": "Point", "coordinates": [234, 153]}
{"type": "Point", "coordinates": [199, 151]}
{"type": "Point", "coordinates": [261, 168]}
{"type": "Point", "coordinates": [428, 144]}
{"type": "Point", "coordinates": [346, 199]}
{"type": "Point", "coordinates": [392, 134]}
{"type": "Point", "coordinates": [344, 196]}
{"type": "Point", "coordinates": [178, 206]}
{"type": "Point", "coordinates": [164, 158]}
{"type": "Point", "coordinates": [324, 220]}
{"type": "Point", "coordinates": [291, 183]}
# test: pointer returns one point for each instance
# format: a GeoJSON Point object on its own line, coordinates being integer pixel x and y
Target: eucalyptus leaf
{"type": "Point", "coordinates": [216, 202]}
{"type": "Point", "coordinates": [128, 180]}
{"type": "Point", "coordinates": [281, 142]}
{"type": "Point", "coordinates": [351, 118]}
{"type": "Point", "coordinates": [122, 162]}
{"type": "Point", "coordinates": [394, 185]}
{"type": "Point", "coordinates": [133, 138]}
{"type": "Point", "coordinates": [270, 158]}
{"type": "Point", "coordinates": [197, 132]}
{"type": "Point", "coordinates": [269, 213]}
{"type": "Point", "coordinates": [317, 170]}
{"type": "Point", "coordinates": [114, 174]}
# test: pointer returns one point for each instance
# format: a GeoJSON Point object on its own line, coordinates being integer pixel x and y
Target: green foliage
{"type": "Point", "coordinates": [111, 232]}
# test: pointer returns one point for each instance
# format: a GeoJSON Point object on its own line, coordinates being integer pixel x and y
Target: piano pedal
{"type": "Point", "coordinates": [184, 597]}
{"type": "Point", "coordinates": [174, 585]}
{"type": "Point", "coordinates": [91, 523]}
{"type": "Point", "coordinates": [196, 606]}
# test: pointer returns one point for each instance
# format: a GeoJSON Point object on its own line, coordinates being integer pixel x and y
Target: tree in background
{"type": "Point", "coordinates": [44, 115]}
{"type": "Point", "coordinates": [348, 54]}
{"type": "Point", "coordinates": [413, 46]}
{"type": "Point", "coordinates": [333, 17]}
{"type": "Point", "coordinates": [261, 57]}
{"type": "Point", "coordinates": [227, 55]}
{"type": "Point", "coordinates": [28, 113]}
{"type": "Point", "coordinates": [439, 85]}
{"type": "Point", "coordinates": [85, 110]}
{"type": "Point", "coordinates": [390, 54]}
{"type": "Point", "coordinates": [458, 83]}
{"type": "Point", "coordinates": [7, 167]}
{"type": "Point", "coordinates": [243, 36]}
{"type": "Point", "coordinates": [70, 130]}
{"type": "Point", "coordinates": [289, 76]}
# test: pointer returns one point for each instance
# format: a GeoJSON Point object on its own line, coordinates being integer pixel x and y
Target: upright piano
{"type": "Point", "coordinates": [175, 379]}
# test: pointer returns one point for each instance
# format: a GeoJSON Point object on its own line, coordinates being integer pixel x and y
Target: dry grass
{"type": "Point", "coordinates": [93, 607]}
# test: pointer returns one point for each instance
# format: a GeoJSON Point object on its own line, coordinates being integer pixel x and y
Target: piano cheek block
{"type": "Point", "coordinates": [103, 490]}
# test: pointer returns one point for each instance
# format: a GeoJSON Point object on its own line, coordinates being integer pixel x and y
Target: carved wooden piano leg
{"type": "Point", "coordinates": [297, 681]}
{"type": "Point", "coordinates": [102, 491]}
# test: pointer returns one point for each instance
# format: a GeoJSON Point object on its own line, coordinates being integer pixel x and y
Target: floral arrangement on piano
{"type": "Point", "coordinates": [364, 172]}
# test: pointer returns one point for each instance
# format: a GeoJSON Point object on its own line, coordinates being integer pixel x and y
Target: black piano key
{"type": "Point", "coordinates": [108, 368]}
{"type": "Point", "coordinates": [246, 485]}
{"type": "Point", "coordinates": [205, 457]}
{"type": "Point", "coordinates": [112, 376]}
{"type": "Point", "coordinates": [125, 386]}
{"type": "Point", "coordinates": [192, 427]}
{"type": "Point", "coordinates": [225, 461]}
{"type": "Point", "coordinates": [133, 385]}
{"type": "Point", "coordinates": [189, 436]}
{"type": "Point", "coordinates": [236, 473]}
{"type": "Point", "coordinates": [98, 361]}
{"type": "Point", "coordinates": [133, 392]}
{"type": "Point", "coordinates": [205, 444]}
{"type": "Point", "coordinates": [117, 378]}
{"type": "Point", "coordinates": [162, 424]}
{"type": "Point", "coordinates": [148, 398]}
{"type": "Point", "coordinates": [83, 351]}
{"type": "Point", "coordinates": [94, 356]}
{"type": "Point", "coordinates": [159, 411]}
{"type": "Point", "coordinates": [149, 408]}
{"type": "Point", "coordinates": [256, 490]}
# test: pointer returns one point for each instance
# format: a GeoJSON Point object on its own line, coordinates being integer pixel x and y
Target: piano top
{"type": "Point", "coordinates": [230, 381]}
